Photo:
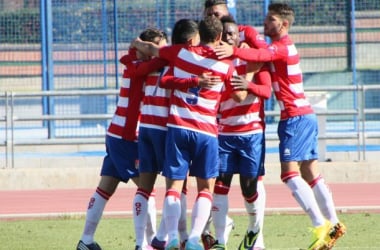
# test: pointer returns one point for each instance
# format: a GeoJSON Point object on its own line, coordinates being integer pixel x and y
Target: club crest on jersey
{"type": "Point", "coordinates": [192, 99]}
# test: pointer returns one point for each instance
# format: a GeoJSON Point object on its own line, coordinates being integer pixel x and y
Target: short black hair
{"type": "Point", "coordinates": [210, 3]}
{"type": "Point", "coordinates": [183, 30]}
{"type": "Point", "coordinates": [227, 19]}
{"type": "Point", "coordinates": [151, 33]}
{"type": "Point", "coordinates": [209, 29]}
{"type": "Point", "coordinates": [283, 10]}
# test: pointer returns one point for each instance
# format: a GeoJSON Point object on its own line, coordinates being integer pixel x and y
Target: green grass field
{"type": "Point", "coordinates": [280, 232]}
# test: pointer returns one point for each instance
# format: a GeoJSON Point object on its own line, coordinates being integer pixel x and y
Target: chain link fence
{"type": "Point", "coordinates": [66, 45]}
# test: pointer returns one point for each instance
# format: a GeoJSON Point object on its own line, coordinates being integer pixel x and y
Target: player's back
{"type": "Point", "coordinates": [196, 108]}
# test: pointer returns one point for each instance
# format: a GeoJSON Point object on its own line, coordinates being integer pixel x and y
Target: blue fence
{"type": "Point", "coordinates": [75, 45]}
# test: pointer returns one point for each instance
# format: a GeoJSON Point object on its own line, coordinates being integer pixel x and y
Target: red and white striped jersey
{"type": "Point", "coordinates": [196, 108]}
{"type": "Point", "coordinates": [124, 124]}
{"type": "Point", "coordinates": [246, 117]}
{"type": "Point", "coordinates": [155, 108]}
{"type": "Point", "coordinates": [287, 82]}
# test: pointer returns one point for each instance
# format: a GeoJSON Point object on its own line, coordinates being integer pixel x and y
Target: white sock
{"type": "Point", "coordinates": [325, 201]}
{"type": "Point", "coordinates": [200, 215]}
{"type": "Point", "coordinates": [219, 214]}
{"type": "Point", "coordinates": [151, 225]}
{"type": "Point", "coordinates": [251, 208]}
{"type": "Point", "coordinates": [260, 208]}
{"type": "Point", "coordinates": [306, 199]}
{"type": "Point", "coordinates": [94, 213]}
{"type": "Point", "coordinates": [140, 215]}
{"type": "Point", "coordinates": [171, 213]}
{"type": "Point", "coordinates": [161, 234]}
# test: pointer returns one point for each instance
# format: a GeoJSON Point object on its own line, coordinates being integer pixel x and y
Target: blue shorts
{"type": "Point", "coordinates": [121, 160]}
{"type": "Point", "coordinates": [298, 138]}
{"type": "Point", "coordinates": [152, 150]}
{"type": "Point", "coordinates": [243, 154]}
{"type": "Point", "coordinates": [190, 151]}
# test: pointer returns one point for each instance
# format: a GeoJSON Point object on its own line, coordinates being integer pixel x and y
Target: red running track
{"type": "Point", "coordinates": [352, 197]}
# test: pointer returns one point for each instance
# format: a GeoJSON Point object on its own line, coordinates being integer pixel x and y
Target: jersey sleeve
{"type": "Point", "coordinates": [253, 38]}
{"type": "Point", "coordinates": [261, 86]}
{"type": "Point", "coordinates": [172, 82]}
{"type": "Point", "coordinates": [152, 65]}
{"type": "Point", "coordinates": [269, 54]}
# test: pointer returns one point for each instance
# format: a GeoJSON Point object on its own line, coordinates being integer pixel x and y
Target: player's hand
{"type": "Point", "coordinates": [224, 50]}
{"type": "Point", "coordinates": [133, 43]}
{"type": "Point", "coordinates": [239, 82]}
{"type": "Point", "coordinates": [207, 80]}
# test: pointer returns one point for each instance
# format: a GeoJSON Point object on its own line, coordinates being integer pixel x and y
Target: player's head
{"type": "Point", "coordinates": [217, 8]}
{"type": "Point", "coordinates": [210, 30]}
{"type": "Point", "coordinates": [185, 31]}
{"type": "Point", "coordinates": [230, 31]}
{"type": "Point", "coordinates": [152, 35]}
{"type": "Point", "coordinates": [278, 20]}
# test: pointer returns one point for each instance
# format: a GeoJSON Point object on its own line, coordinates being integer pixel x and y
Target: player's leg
{"type": "Point", "coordinates": [324, 199]}
{"type": "Point", "coordinates": [118, 165]}
{"type": "Point", "coordinates": [220, 207]}
{"type": "Point", "coordinates": [261, 200]}
{"type": "Point", "coordinates": [151, 144]}
{"type": "Point", "coordinates": [175, 170]}
{"type": "Point", "coordinates": [142, 206]}
{"type": "Point", "coordinates": [200, 212]}
{"type": "Point", "coordinates": [297, 143]}
{"type": "Point", "coordinates": [204, 167]}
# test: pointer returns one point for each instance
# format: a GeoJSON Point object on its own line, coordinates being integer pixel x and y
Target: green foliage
{"type": "Point", "coordinates": [280, 232]}
{"type": "Point", "coordinates": [81, 21]}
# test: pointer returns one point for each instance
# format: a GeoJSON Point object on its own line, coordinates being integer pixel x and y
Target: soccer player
{"type": "Point", "coordinates": [297, 129]}
{"type": "Point", "coordinates": [250, 36]}
{"type": "Point", "coordinates": [152, 135]}
{"type": "Point", "coordinates": [192, 129]}
{"type": "Point", "coordinates": [241, 145]}
{"type": "Point", "coordinates": [121, 162]}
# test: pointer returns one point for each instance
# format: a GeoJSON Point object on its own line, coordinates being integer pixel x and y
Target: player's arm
{"type": "Point", "coordinates": [261, 87]}
{"type": "Point", "coordinates": [150, 66]}
{"type": "Point", "coordinates": [147, 48]}
{"type": "Point", "coordinates": [250, 54]}
{"type": "Point", "coordinates": [253, 38]}
{"type": "Point", "coordinates": [205, 80]}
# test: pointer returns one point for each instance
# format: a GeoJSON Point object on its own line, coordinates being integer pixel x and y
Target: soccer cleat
{"type": "Point", "coordinates": [249, 240]}
{"type": "Point", "coordinates": [337, 231]}
{"type": "Point", "coordinates": [319, 235]}
{"type": "Point", "coordinates": [218, 246]}
{"type": "Point", "coordinates": [92, 246]}
{"type": "Point", "coordinates": [173, 245]}
{"type": "Point", "coordinates": [158, 244]}
{"type": "Point", "coordinates": [193, 246]}
{"type": "Point", "coordinates": [208, 241]}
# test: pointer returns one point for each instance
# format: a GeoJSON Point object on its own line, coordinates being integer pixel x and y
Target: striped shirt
{"type": "Point", "coordinates": [155, 108]}
{"type": "Point", "coordinates": [287, 82]}
{"type": "Point", "coordinates": [196, 108]}
{"type": "Point", "coordinates": [246, 117]}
